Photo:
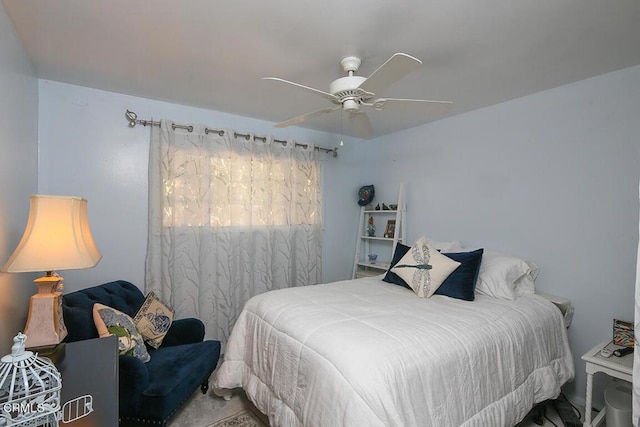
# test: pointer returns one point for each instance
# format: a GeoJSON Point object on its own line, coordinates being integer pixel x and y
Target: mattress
{"type": "Point", "coordinates": [367, 353]}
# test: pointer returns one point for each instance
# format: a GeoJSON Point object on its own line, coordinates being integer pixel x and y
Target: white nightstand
{"type": "Point", "coordinates": [617, 367]}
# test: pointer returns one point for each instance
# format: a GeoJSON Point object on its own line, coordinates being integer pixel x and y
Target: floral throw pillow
{"type": "Point", "coordinates": [110, 321]}
{"type": "Point", "coordinates": [424, 269]}
{"type": "Point", "coordinates": [153, 320]}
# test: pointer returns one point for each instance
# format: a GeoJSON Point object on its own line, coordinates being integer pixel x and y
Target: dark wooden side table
{"type": "Point", "coordinates": [90, 367]}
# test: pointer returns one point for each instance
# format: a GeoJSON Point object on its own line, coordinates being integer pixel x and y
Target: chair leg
{"type": "Point", "coordinates": [204, 387]}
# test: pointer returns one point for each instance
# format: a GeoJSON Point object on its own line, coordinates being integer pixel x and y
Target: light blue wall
{"type": "Point", "coordinates": [91, 152]}
{"type": "Point", "coordinates": [552, 177]}
{"type": "Point", "coordinates": [18, 173]}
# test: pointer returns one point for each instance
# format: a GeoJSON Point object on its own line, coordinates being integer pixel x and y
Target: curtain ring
{"type": "Point", "coordinates": [219, 132]}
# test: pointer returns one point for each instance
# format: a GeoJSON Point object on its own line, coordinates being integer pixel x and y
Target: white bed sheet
{"type": "Point", "coordinates": [367, 353]}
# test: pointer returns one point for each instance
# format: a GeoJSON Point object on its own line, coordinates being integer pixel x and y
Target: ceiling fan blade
{"type": "Point", "coordinates": [423, 106]}
{"type": "Point", "coordinates": [301, 118]}
{"type": "Point", "coordinates": [324, 94]}
{"type": "Point", "coordinates": [396, 67]}
{"type": "Point", "coordinates": [360, 124]}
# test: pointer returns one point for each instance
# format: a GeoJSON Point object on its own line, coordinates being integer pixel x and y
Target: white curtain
{"type": "Point", "coordinates": [230, 217]}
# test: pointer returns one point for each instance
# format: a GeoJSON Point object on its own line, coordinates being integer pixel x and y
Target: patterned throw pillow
{"type": "Point", "coordinates": [424, 269]}
{"type": "Point", "coordinates": [153, 320]}
{"type": "Point", "coordinates": [110, 321]}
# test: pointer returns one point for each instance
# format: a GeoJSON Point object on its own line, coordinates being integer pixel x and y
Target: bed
{"type": "Point", "coordinates": [462, 341]}
{"type": "Point", "coordinates": [368, 353]}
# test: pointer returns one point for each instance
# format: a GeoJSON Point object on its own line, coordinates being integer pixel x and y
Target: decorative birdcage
{"type": "Point", "coordinates": [29, 388]}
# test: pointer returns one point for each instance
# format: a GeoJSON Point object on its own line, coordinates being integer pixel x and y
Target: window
{"type": "Point", "coordinates": [239, 192]}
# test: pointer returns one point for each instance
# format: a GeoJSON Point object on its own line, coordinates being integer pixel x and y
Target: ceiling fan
{"type": "Point", "coordinates": [352, 92]}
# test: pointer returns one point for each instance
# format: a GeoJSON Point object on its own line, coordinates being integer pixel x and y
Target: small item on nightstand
{"type": "Point", "coordinates": [623, 333]}
{"type": "Point", "coordinates": [606, 352]}
{"type": "Point", "coordinates": [385, 207]}
{"type": "Point", "coordinates": [623, 351]}
{"type": "Point", "coordinates": [378, 207]}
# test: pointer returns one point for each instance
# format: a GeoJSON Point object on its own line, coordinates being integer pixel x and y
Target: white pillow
{"type": "Point", "coordinates": [505, 276]}
{"type": "Point", "coordinates": [453, 246]}
{"type": "Point", "coordinates": [412, 268]}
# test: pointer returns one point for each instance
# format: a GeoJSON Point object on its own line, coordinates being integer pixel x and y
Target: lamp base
{"type": "Point", "coordinates": [48, 284]}
{"type": "Point", "coordinates": [45, 325]}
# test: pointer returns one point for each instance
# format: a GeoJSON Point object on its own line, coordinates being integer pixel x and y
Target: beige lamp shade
{"type": "Point", "coordinates": [57, 237]}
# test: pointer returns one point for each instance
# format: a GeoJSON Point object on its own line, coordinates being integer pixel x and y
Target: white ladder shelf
{"type": "Point", "coordinates": [380, 242]}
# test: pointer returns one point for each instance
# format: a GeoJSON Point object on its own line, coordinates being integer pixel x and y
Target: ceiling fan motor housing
{"type": "Point", "coordinates": [348, 93]}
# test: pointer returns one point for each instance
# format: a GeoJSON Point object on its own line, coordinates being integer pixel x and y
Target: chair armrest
{"type": "Point", "coordinates": [134, 379]}
{"type": "Point", "coordinates": [184, 331]}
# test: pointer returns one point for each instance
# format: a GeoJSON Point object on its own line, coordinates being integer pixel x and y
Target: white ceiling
{"type": "Point", "coordinates": [212, 53]}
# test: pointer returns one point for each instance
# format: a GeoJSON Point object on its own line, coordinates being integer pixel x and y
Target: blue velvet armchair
{"type": "Point", "coordinates": [148, 392]}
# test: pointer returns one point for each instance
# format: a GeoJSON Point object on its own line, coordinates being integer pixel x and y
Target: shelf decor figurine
{"type": "Point", "coordinates": [371, 228]}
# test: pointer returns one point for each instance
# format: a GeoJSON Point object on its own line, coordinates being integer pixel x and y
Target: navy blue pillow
{"type": "Point", "coordinates": [461, 284]}
{"type": "Point", "coordinates": [391, 277]}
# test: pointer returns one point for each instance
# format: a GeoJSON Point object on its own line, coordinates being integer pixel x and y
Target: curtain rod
{"type": "Point", "coordinates": [133, 120]}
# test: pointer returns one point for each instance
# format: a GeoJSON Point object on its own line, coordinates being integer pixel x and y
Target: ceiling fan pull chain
{"type": "Point", "coordinates": [341, 115]}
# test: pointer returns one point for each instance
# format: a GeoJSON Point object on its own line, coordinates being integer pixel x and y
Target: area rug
{"type": "Point", "coordinates": [244, 418]}
{"type": "Point", "coordinates": [209, 410]}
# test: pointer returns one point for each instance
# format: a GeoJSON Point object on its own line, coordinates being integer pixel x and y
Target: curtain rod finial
{"type": "Point", "coordinates": [132, 117]}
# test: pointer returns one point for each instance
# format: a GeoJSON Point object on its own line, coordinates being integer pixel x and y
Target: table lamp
{"type": "Point", "coordinates": [57, 237]}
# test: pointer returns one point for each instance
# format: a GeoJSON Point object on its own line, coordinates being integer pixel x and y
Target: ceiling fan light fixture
{"type": "Point", "coordinates": [350, 105]}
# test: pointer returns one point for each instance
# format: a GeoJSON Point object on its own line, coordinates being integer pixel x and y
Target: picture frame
{"type": "Point", "coordinates": [390, 229]}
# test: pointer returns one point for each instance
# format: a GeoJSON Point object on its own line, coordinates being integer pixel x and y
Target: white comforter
{"type": "Point", "coordinates": [368, 353]}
